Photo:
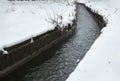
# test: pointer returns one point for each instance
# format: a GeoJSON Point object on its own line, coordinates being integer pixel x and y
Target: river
{"type": "Point", "coordinates": [61, 60]}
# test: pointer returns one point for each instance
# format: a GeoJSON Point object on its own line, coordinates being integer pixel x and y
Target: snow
{"type": "Point", "coordinates": [102, 61]}
{"type": "Point", "coordinates": [4, 52]}
{"type": "Point", "coordinates": [20, 21]}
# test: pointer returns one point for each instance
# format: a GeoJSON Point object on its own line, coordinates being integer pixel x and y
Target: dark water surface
{"type": "Point", "coordinates": [62, 59]}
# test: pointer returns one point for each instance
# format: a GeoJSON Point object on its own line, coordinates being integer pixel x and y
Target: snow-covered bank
{"type": "Point", "coordinates": [102, 61]}
{"type": "Point", "coordinates": [23, 20]}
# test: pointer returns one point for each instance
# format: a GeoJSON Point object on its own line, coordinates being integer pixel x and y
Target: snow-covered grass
{"type": "Point", "coordinates": [20, 21]}
{"type": "Point", "coordinates": [102, 61]}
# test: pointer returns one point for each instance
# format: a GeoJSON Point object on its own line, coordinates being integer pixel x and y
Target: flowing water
{"type": "Point", "coordinates": [62, 59]}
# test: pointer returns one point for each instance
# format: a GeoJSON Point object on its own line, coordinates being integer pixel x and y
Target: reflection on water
{"type": "Point", "coordinates": [62, 59]}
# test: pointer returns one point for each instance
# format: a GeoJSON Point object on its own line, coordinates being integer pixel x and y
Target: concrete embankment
{"type": "Point", "coordinates": [25, 51]}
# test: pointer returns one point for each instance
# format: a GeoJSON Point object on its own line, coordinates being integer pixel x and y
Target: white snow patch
{"type": "Point", "coordinates": [4, 51]}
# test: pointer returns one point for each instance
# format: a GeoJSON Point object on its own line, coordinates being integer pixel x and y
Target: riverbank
{"type": "Point", "coordinates": [29, 28]}
{"type": "Point", "coordinates": [23, 20]}
{"type": "Point", "coordinates": [101, 62]}
{"type": "Point", "coordinates": [23, 52]}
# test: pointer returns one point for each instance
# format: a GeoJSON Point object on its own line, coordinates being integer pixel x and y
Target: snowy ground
{"type": "Point", "coordinates": [20, 21]}
{"type": "Point", "coordinates": [102, 61]}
